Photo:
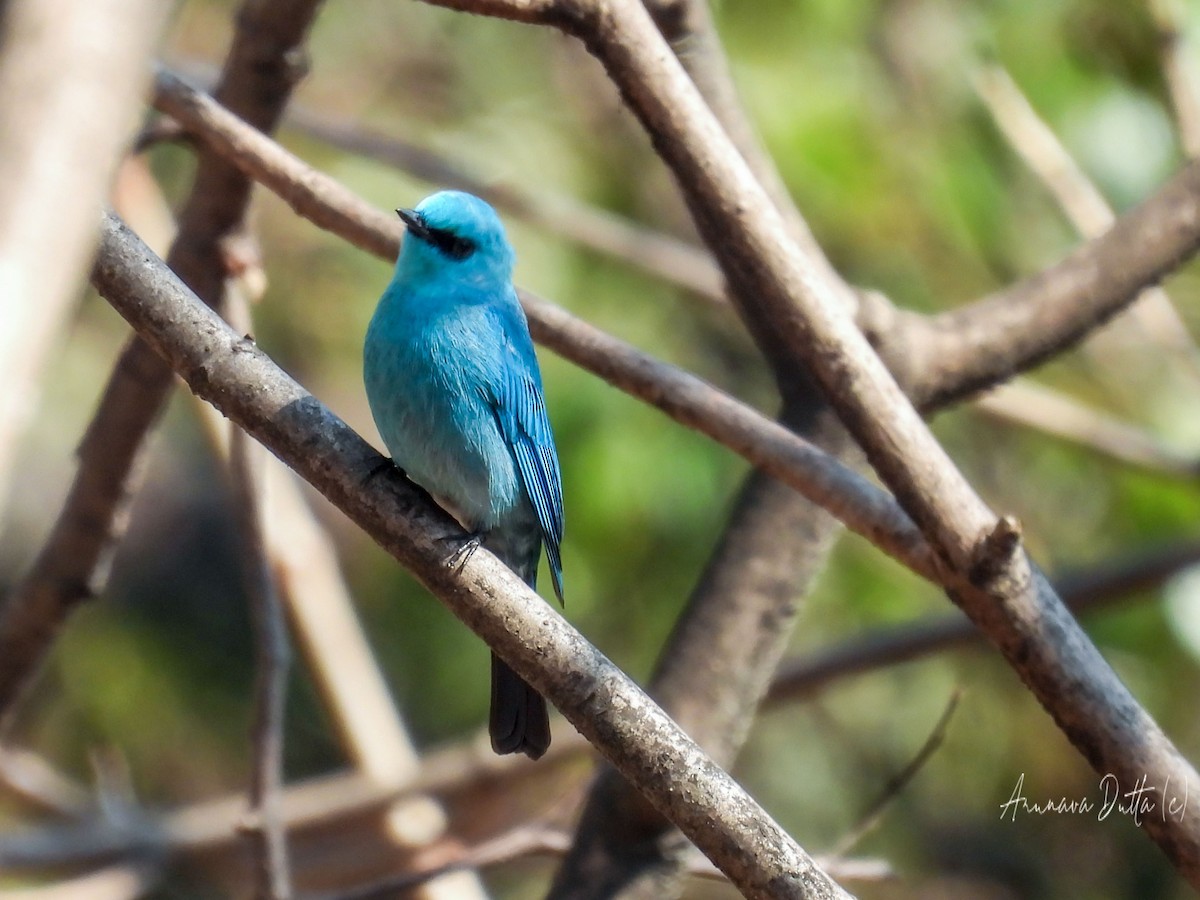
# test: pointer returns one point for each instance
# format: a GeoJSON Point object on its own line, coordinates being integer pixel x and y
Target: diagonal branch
{"type": "Point", "coordinates": [799, 294]}
{"type": "Point", "coordinates": [633, 733]}
{"type": "Point", "coordinates": [967, 349]}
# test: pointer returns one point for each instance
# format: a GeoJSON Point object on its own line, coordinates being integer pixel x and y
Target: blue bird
{"type": "Point", "coordinates": [454, 386]}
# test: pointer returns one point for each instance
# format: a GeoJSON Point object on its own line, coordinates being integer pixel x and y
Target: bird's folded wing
{"type": "Point", "coordinates": [521, 413]}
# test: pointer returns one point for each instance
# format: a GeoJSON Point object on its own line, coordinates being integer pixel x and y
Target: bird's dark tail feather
{"type": "Point", "coordinates": [518, 722]}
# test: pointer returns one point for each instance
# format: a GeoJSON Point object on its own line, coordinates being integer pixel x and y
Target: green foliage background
{"type": "Point", "coordinates": [869, 111]}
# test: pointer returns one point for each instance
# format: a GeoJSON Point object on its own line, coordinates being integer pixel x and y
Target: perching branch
{"type": "Point", "coordinates": [716, 814]}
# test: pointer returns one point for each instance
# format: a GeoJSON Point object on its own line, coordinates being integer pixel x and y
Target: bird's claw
{"type": "Point", "coordinates": [462, 554]}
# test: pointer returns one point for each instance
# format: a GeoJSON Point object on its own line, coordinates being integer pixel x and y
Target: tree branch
{"type": "Point", "coordinates": [1023, 617]}
{"type": "Point", "coordinates": [1000, 589]}
{"type": "Point", "coordinates": [71, 75]}
{"type": "Point", "coordinates": [264, 825]}
{"type": "Point", "coordinates": [870, 651]}
{"type": "Point", "coordinates": [970, 348]}
{"type": "Point", "coordinates": [260, 71]}
{"type": "Point", "coordinates": [849, 496]}
{"type": "Point", "coordinates": [716, 814]}
{"type": "Point", "coordinates": [671, 259]}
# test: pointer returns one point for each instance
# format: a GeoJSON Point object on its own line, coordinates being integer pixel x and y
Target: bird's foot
{"type": "Point", "coordinates": [379, 468]}
{"type": "Point", "coordinates": [464, 551]}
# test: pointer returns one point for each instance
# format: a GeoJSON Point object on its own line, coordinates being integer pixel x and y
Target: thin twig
{"type": "Point", "coordinates": [124, 881]}
{"type": "Point", "coordinates": [897, 783]}
{"type": "Point", "coordinates": [310, 583]}
{"type": "Point", "coordinates": [1083, 205]}
{"type": "Point", "coordinates": [36, 783]}
{"type": "Point", "coordinates": [1028, 404]}
{"type": "Point", "coordinates": [264, 825]}
{"type": "Point", "coordinates": [1178, 62]}
{"type": "Point", "coordinates": [517, 843]}
{"type": "Point", "coordinates": [541, 840]}
{"type": "Point", "coordinates": [339, 801]}
{"type": "Point", "coordinates": [663, 256]}
{"type": "Point", "coordinates": [871, 651]}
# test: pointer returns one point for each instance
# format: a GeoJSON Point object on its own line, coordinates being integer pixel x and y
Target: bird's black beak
{"type": "Point", "coordinates": [414, 222]}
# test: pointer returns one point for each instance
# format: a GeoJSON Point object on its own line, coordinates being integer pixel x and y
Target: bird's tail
{"type": "Point", "coordinates": [518, 722]}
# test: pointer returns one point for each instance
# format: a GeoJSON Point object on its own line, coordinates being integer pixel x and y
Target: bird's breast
{"type": "Point", "coordinates": [428, 389]}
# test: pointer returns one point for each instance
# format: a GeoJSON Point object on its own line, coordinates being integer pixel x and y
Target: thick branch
{"type": "Point", "coordinates": [633, 733]}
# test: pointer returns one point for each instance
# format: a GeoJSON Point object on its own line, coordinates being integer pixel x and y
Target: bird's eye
{"type": "Point", "coordinates": [454, 246]}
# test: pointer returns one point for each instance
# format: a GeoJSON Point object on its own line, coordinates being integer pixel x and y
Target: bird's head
{"type": "Point", "coordinates": [452, 233]}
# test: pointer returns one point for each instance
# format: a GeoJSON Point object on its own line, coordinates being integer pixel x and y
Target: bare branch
{"type": "Point", "coordinates": [1026, 403]}
{"type": "Point", "coordinates": [260, 71]}
{"type": "Point", "coordinates": [264, 824]}
{"type": "Point", "coordinates": [871, 651]}
{"type": "Point", "coordinates": [898, 782]}
{"type": "Point", "coordinates": [307, 575]}
{"type": "Point", "coordinates": [671, 259]}
{"type": "Point", "coordinates": [71, 76]}
{"type": "Point", "coordinates": [959, 352]}
{"type": "Point", "coordinates": [1179, 70]}
{"type": "Point", "coordinates": [633, 733]}
{"type": "Point", "coordinates": [36, 783]}
{"type": "Point", "coordinates": [1085, 207]}
{"type": "Point", "coordinates": [348, 803]}
{"type": "Point", "coordinates": [127, 881]}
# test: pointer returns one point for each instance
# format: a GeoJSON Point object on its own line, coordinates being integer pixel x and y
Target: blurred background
{"type": "Point", "coordinates": [880, 124]}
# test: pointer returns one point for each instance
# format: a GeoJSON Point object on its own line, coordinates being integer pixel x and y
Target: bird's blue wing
{"type": "Point", "coordinates": [521, 414]}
